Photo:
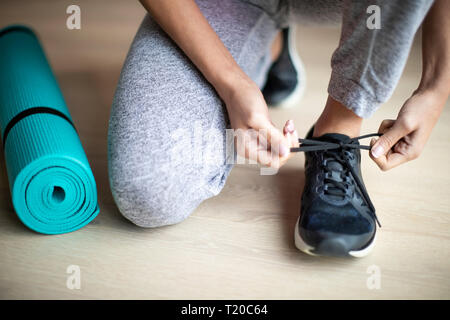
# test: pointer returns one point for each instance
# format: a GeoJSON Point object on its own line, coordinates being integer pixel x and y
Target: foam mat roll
{"type": "Point", "coordinates": [52, 186]}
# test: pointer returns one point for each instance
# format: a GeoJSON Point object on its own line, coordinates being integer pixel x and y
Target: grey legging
{"type": "Point", "coordinates": [166, 118]}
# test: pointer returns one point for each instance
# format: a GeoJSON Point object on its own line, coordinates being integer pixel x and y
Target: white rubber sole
{"type": "Point", "coordinates": [302, 246]}
{"type": "Point", "coordinates": [294, 98]}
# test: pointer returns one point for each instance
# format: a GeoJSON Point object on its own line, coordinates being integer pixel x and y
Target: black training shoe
{"type": "Point", "coordinates": [286, 77]}
{"type": "Point", "coordinates": [337, 217]}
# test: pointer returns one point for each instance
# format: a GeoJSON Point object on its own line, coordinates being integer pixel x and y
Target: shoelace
{"type": "Point", "coordinates": [307, 145]}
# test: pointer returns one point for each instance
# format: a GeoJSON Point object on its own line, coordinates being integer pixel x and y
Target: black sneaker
{"type": "Point", "coordinates": [337, 217]}
{"type": "Point", "coordinates": [286, 77]}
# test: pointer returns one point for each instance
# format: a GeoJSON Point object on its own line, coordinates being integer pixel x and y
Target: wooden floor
{"type": "Point", "coordinates": [240, 243]}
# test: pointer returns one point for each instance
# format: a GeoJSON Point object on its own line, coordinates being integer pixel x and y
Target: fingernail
{"type": "Point", "coordinates": [290, 126]}
{"type": "Point", "coordinates": [377, 151]}
{"type": "Point", "coordinates": [284, 151]}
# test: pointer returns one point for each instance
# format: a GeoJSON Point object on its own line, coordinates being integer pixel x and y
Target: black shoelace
{"type": "Point", "coordinates": [307, 145]}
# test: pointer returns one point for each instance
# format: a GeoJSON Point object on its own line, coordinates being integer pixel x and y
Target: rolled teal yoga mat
{"type": "Point", "coordinates": [52, 186]}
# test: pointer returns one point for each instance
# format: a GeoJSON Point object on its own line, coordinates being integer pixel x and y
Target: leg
{"type": "Point", "coordinates": [368, 62]}
{"type": "Point", "coordinates": [286, 78]}
{"type": "Point", "coordinates": [337, 118]}
{"type": "Point", "coordinates": [166, 120]}
{"type": "Point", "coordinates": [276, 46]}
{"type": "Point", "coordinates": [337, 216]}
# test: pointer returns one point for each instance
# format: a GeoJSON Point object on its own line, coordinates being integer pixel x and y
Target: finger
{"type": "Point", "coordinates": [268, 159]}
{"type": "Point", "coordinates": [391, 160]}
{"type": "Point", "coordinates": [293, 143]}
{"type": "Point", "coordinates": [385, 125]}
{"type": "Point", "coordinates": [246, 144]}
{"type": "Point", "coordinates": [402, 147]}
{"type": "Point", "coordinates": [257, 150]}
{"type": "Point", "coordinates": [277, 141]}
{"type": "Point", "coordinates": [290, 133]}
{"type": "Point", "coordinates": [254, 147]}
{"type": "Point", "coordinates": [264, 157]}
{"type": "Point", "coordinates": [257, 154]}
{"type": "Point", "coordinates": [289, 127]}
{"type": "Point", "coordinates": [389, 138]}
{"type": "Point", "coordinates": [271, 159]}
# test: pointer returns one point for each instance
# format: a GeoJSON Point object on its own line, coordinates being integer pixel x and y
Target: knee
{"type": "Point", "coordinates": [154, 200]}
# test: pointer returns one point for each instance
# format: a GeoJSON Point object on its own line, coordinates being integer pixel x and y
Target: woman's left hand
{"type": "Point", "coordinates": [403, 139]}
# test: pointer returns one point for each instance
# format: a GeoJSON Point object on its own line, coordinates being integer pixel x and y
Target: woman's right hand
{"type": "Point", "coordinates": [256, 138]}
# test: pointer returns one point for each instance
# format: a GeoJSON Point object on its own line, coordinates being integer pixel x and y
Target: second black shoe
{"type": "Point", "coordinates": [286, 77]}
{"type": "Point", "coordinates": [337, 217]}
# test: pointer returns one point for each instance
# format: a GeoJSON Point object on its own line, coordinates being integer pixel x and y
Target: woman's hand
{"type": "Point", "coordinates": [404, 139]}
{"type": "Point", "coordinates": [256, 137]}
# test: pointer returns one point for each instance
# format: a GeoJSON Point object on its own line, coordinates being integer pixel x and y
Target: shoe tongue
{"type": "Point", "coordinates": [334, 166]}
{"type": "Point", "coordinates": [335, 138]}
